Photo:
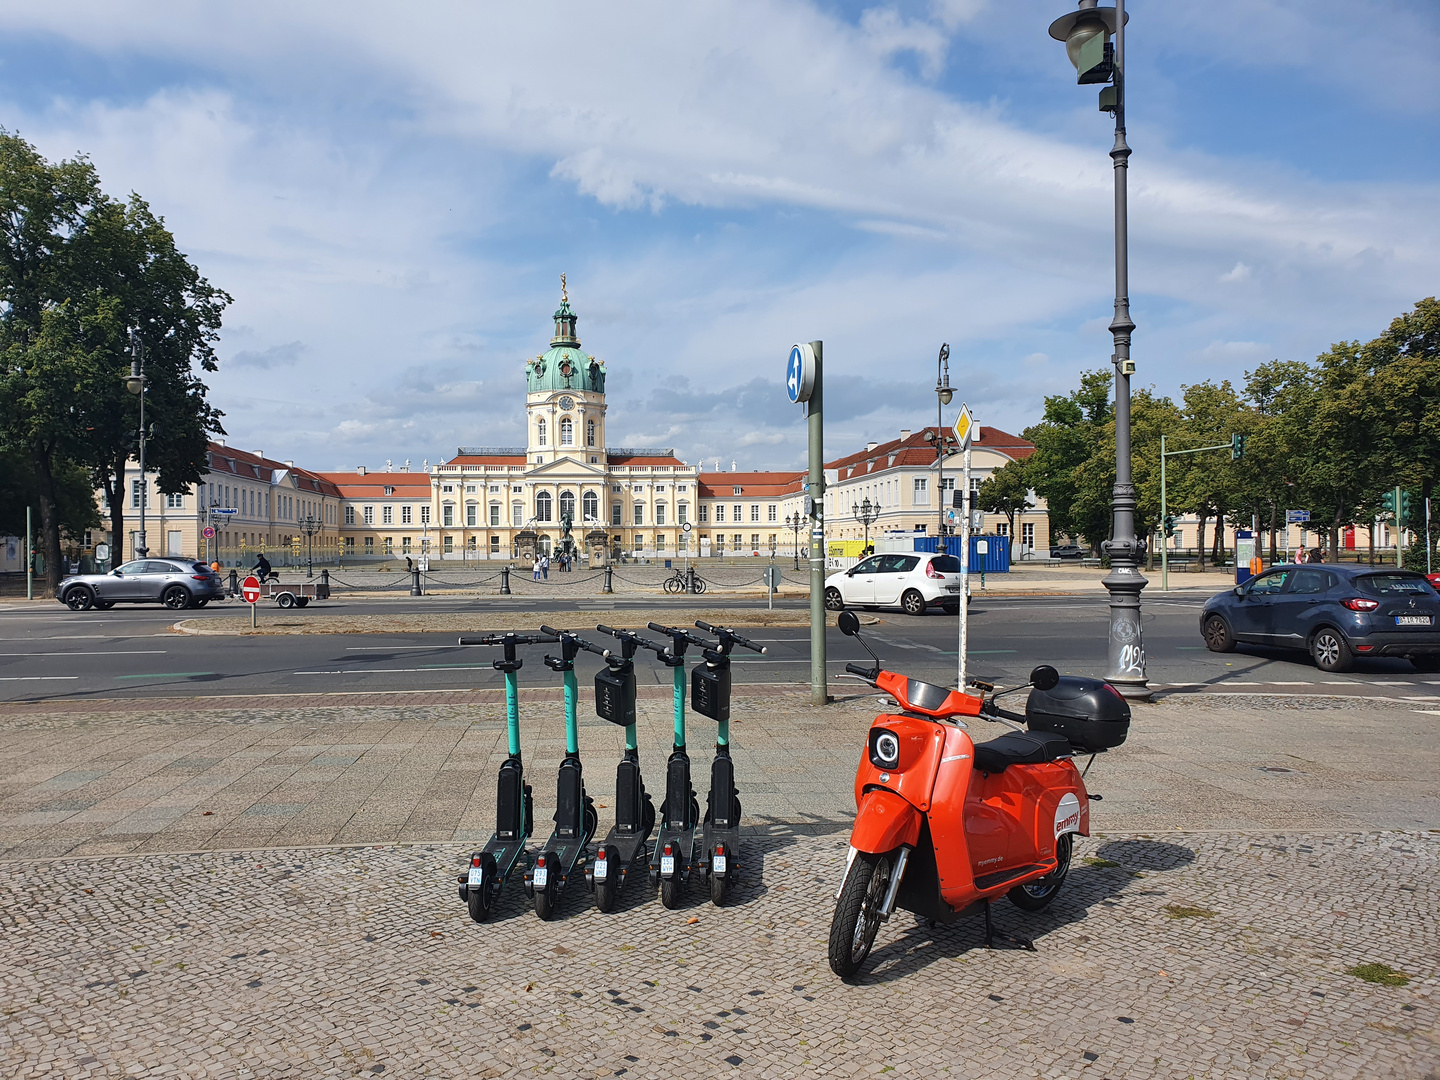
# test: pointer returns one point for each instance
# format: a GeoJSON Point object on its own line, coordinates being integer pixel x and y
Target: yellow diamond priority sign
{"type": "Point", "coordinates": [964, 426]}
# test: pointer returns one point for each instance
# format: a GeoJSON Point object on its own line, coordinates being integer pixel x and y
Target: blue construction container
{"type": "Point", "coordinates": [996, 559]}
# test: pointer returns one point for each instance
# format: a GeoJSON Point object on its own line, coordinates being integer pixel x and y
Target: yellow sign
{"type": "Point", "coordinates": [964, 426]}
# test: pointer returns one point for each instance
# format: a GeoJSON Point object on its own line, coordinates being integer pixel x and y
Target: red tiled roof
{"type": "Point", "coordinates": [232, 461]}
{"type": "Point", "coordinates": [914, 450]}
{"type": "Point", "coordinates": [721, 485]}
{"type": "Point", "coordinates": [409, 485]}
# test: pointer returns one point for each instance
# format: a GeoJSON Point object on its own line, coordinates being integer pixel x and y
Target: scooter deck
{"type": "Point", "coordinates": [714, 837]}
{"type": "Point", "coordinates": [567, 853]}
{"type": "Point", "coordinates": [682, 843]}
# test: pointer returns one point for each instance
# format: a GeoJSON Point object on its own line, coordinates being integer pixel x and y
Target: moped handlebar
{"type": "Point", "coordinates": [869, 674]}
{"type": "Point", "coordinates": [728, 637]}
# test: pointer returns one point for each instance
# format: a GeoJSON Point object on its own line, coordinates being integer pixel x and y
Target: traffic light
{"type": "Point", "coordinates": [1237, 447]}
{"type": "Point", "coordinates": [1387, 502]}
{"type": "Point", "coordinates": [1169, 525]}
{"type": "Point", "coordinates": [1404, 508]}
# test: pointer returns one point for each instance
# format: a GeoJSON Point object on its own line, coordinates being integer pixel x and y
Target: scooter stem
{"type": "Point", "coordinates": [572, 734]}
{"type": "Point", "coordinates": [512, 711]}
{"type": "Point", "coordinates": [723, 738]}
{"type": "Point", "coordinates": [679, 671]}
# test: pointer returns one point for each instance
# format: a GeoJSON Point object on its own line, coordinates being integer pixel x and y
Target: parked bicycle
{"type": "Point", "coordinates": [686, 581]}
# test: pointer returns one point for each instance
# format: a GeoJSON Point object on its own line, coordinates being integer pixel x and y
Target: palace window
{"type": "Point", "coordinates": [682, 512]}
{"type": "Point", "coordinates": [369, 515]}
{"type": "Point", "coordinates": [449, 544]}
{"type": "Point", "coordinates": [350, 545]}
{"type": "Point", "coordinates": [615, 514]}
{"type": "Point", "coordinates": [735, 490]}
{"type": "Point", "coordinates": [470, 543]}
{"type": "Point", "coordinates": [494, 545]}
{"type": "Point", "coordinates": [737, 542]}
{"type": "Point", "coordinates": [405, 515]}
{"type": "Point", "coordinates": [388, 546]}
{"type": "Point", "coordinates": [175, 502]}
{"type": "Point", "coordinates": [447, 488]}
{"type": "Point", "coordinates": [922, 491]}
{"type": "Point", "coordinates": [567, 432]}
{"type": "Point", "coordinates": [754, 511]}
{"type": "Point", "coordinates": [540, 433]}
{"type": "Point", "coordinates": [660, 513]}
{"type": "Point", "coordinates": [590, 434]}
{"type": "Point", "coordinates": [447, 515]}
{"type": "Point", "coordinates": [719, 512]}
{"type": "Point", "coordinates": [567, 504]}
{"type": "Point", "coordinates": [755, 541]}
{"type": "Point", "coordinates": [542, 506]}
{"type": "Point", "coordinates": [139, 489]}
{"type": "Point", "coordinates": [387, 515]}
{"type": "Point", "coordinates": [494, 515]}
{"type": "Point", "coordinates": [472, 515]}
{"type": "Point", "coordinates": [424, 515]}
{"type": "Point", "coordinates": [705, 513]}
{"type": "Point", "coordinates": [591, 502]}
{"type": "Point", "coordinates": [517, 514]}
{"type": "Point", "coordinates": [405, 545]}
{"type": "Point", "coordinates": [773, 513]}
{"type": "Point", "coordinates": [639, 513]}
{"type": "Point", "coordinates": [735, 512]}
{"type": "Point", "coordinates": [470, 489]}
{"type": "Point", "coordinates": [369, 545]}
{"type": "Point", "coordinates": [349, 515]}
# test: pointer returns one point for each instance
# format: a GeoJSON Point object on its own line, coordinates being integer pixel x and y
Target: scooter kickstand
{"type": "Point", "coordinates": [1006, 940]}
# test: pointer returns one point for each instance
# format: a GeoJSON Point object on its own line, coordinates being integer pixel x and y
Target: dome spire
{"type": "Point", "coordinates": [564, 320]}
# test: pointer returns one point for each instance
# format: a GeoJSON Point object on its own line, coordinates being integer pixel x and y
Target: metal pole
{"type": "Point", "coordinates": [1399, 530]}
{"type": "Point", "coordinates": [144, 481]}
{"type": "Point", "coordinates": [965, 565]}
{"type": "Point", "coordinates": [1126, 659]}
{"type": "Point", "coordinates": [818, 691]}
{"type": "Point", "coordinates": [30, 554]}
{"type": "Point", "coordinates": [1164, 517]}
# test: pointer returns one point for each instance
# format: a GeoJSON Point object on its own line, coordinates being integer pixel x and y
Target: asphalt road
{"type": "Point", "coordinates": [52, 653]}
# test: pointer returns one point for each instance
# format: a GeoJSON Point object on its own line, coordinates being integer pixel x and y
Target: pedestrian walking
{"type": "Point", "coordinates": [537, 567]}
{"type": "Point", "coordinates": [545, 566]}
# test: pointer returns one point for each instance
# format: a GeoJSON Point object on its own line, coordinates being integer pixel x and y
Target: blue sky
{"type": "Point", "coordinates": [391, 194]}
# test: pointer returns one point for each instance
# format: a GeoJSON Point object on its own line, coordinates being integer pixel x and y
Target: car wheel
{"type": "Point", "coordinates": [79, 598]}
{"type": "Point", "coordinates": [176, 598]}
{"type": "Point", "coordinates": [1427, 664]}
{"type": "Point", "coordinates": [201, 603]}
{"type": "Point", "coordinates": [1330, 651]}
{"type": "Point", "coordinates": [1218, 637]}
{"type": "Point", "coordinates": [952, 607]}
{"type": "Point", "coordinates": [285, 600]}
{"type": "Point", "coordinates": [833, 600]}
{"type": "Point", "coordinates": [912, 603]}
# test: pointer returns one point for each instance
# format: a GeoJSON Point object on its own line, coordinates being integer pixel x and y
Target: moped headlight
{"type": "Point", "coordinates": [885, 749]}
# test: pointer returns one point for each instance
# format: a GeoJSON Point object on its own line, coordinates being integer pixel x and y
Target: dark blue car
{"type": "Point", "coordinates": [1335, 613]}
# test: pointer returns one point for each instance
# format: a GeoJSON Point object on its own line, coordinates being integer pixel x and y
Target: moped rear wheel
{"type": "Point", "coordinates": [1034, 895]}
{"type": "Point", "coordinates": [857, 913]}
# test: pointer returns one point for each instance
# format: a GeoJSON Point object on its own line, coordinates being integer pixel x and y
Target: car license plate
{"type": "Point", "coordinates": [602, 869]}
{"type": "Point", "coordinates": [1412, 620]}
{"type": "Point", "coordinates": [718, 863]}
{"type": "Point", "coordinates": [952, 588]}
{"type": "Point", "coordinates": [541, 878]}
{"type": "Point", "coordinates": [667, 864]}
{"type": "Point", "coordinates": [477, 876]}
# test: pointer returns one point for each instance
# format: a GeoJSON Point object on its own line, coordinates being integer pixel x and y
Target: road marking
{"type": "Point", "coordinates": [168, 675]}
{"type": "Point", "coordinates": [388, 648]}
{"type": "Point", "coordinates": [129, 652]}
{"type": "Point", "coordinates": [1302, 683]}
{"type": "Point", "coordinates": [38, 678]}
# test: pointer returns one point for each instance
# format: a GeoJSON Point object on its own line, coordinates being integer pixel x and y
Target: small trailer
{"type": "Point", "coordinates": [296, 593]}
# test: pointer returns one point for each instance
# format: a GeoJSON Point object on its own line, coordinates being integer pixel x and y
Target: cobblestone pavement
{"type": "Point", "coordinates": [362, 962]}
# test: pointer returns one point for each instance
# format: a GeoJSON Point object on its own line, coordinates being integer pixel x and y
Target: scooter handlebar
{"type": "Point", "coordinates": [726, 634]}
{"type": "Point", "coordinates": [675, 631]}
{"type": "Point", "coordinates": [519, 639]}
{"type": "Point", "coordinates": [577, 639]}
{"type": "Point", "coordinates": [627, 635]}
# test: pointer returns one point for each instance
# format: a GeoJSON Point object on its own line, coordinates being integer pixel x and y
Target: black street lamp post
{"type": "Point", "coordinates": [135, 383]}
{"type": "Point", "coordinates": [1086, 34]}
{"type": "Point", "coordinates": [943, 395]}
{"type": "Point", "coordinates": [866, 513]}
{"type": "Point", "coordinates": [795, 522]}
{"type": "Point", "coordinates": [309, 525]}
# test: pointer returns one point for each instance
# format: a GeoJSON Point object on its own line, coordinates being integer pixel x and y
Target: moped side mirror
{"type": "Point", "coordinates": [849, 623]}
{"type": "Point", "coordinates": [1044, 677]}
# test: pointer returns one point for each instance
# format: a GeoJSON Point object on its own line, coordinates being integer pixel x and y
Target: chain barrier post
{"type": "Point", "coordinates": [608, 586]}
{"type": "Point", "coordinates": [505, 581]}
{"type": "Point", "coordinates": [415, 583]}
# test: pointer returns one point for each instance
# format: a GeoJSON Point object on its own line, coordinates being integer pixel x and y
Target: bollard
{"type": "Point", "coordinates": [607, 586]}
{"type": "Point", "coordinates": [325, 584]}
{"type": "Point", "coordinates": [234, 583]}
{"type": "Point", "coordinates": [504, 581]}
{"type": "Point", "coordinates": [415, 583]}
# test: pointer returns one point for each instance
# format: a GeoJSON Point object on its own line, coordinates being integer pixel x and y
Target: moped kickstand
{"type": "Point", "coordinates": [710, 696]}
{"type": "Point", "coordinates": [491, 867]}
{"type": "Point", "coordinates": [995, 939]}
{"type": "Point", "coordinates": [626, 843]}
{"type": "Point", "coordinates": [575, 817]}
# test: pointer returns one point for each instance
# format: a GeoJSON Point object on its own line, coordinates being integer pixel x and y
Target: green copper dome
{"type": "Point", "coordinates": [565, 366]}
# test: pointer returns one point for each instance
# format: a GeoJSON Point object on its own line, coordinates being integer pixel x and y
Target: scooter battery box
{"type": "Point", "coordinates": [615, 696]}
{"type": "Point", "coordinates": [710, 692]}
{"type": "Point", "coordinates": [1089, 712]}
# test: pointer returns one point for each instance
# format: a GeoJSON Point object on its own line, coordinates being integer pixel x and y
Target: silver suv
{"type": "Point", "coordinates": [176, 583]}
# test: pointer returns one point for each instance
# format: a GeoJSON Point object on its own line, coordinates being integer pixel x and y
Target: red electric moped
{"type": "Point", "coordinates": [944, 825]}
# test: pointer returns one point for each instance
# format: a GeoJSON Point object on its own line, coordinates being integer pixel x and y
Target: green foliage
{"type": "Point", "coordinates": [74, 496]}
{"type": "Point", "coordinates": [1381, 974]}
{"type": "Point", "coordinates": [1006, 491]}
{"type": "Point", "coordinates": [1065, 441]}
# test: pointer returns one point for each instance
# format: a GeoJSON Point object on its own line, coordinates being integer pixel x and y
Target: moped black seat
{"type": "Point", "coordinates": [1020, 748]}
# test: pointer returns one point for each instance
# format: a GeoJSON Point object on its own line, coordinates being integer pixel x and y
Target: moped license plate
{"type": "Point", "coordinates": [667, 864]}
{"type": "Point", "coordinates": [718, 863]}
{"type": "Point", "coordinates": [477, 876]}
{"type": "Point", "coordinates": [541, 877]}
{"type": "Point", "coordinates": [1412, 620]}
{"type": "Point", "coordinates": [602, 869]}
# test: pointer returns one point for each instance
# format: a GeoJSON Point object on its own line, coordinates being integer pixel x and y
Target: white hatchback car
{"type": "Point", "coordinates": [915, 581]}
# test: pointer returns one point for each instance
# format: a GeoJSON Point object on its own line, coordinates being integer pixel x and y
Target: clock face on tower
{"type": "Point", "coordinates": [567, 403]}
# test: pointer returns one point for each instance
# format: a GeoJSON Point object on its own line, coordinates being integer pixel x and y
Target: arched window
{"type": "Point", "coordinates": [591, 502]}
{"type": "Point", "coordinates": [540, 433]}
{"type": "Point", "coordinates": [567, 432]}
{"type": "Point", "coordinates": [589, 432]}
{"type": "Point", "coordinates": [542, 505]}
{"type": "Point", "coordinates": [567, 500]}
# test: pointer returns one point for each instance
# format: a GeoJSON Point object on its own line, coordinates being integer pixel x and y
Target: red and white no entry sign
{"type": "Point", "coordinates": [250, 589]}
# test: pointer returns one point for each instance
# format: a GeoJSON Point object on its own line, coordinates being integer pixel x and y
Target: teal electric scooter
{"type": "Point", "coordinates": [710, 696]}
{"type": "Point", "coordinates": [626, 844]}
{"type": "Point", "coordinates": [575, 817]}
{"type": "Point", "coordinates": [515, 808]}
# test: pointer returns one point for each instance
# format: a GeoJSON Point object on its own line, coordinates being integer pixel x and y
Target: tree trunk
{"type": "Point", "coordinates": [1219, 548]}
{"type": "Point", "coordinates": [1274, 542]}
{"type": "Point", "coordinates": [113, 486]}
{"type": "Point", "coordinates": [1200, 540]}
{"type": "Point", "coordinates": [1334, 538]}
{"type": "Point", "coordinates": [1372, 543]}
{"type": "Point", "coordinates": [49, 540]}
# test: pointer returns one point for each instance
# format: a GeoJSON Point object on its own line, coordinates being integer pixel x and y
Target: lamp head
{"type": "Point", "coordinates": [134, 383]}
{"type": "Point", "coordinates": [946, 395]}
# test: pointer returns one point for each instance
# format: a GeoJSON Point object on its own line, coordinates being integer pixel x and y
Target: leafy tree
{"type": "Point", "coordinates": [1006, 491]}
{"type": "Point", "coordinates": [74, 496]}
{"type": "Point", "coordinates": [1065, 439]}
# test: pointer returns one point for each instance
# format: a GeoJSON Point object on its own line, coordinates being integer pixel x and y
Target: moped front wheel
{"type": "Point", "coordinates": [857, 913]}
{"type": "Point", "coordinates": [1037, 894]}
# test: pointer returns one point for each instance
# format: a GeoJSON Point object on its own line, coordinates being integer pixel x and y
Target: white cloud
{"type": "Point", "coordinates": [1239, 272]}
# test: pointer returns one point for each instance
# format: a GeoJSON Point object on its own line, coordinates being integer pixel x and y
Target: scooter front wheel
{"type": "Point", "coordinates": [857, 913]}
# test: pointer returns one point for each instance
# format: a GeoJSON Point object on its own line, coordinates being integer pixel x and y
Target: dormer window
{"type": "Point", "coordinates": [389, 490]}
{"type": "Point", "coordinates": [735, 490]}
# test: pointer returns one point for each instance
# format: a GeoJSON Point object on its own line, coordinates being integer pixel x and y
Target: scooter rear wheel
{"type": "Point", "coordinates": [545, 903]}
{"type": "Point", "coordinates": [671, 889]}
{"type": "Point", "coordinates": [857, 913]}
{"type": "Point", "coordinates": [1037, 894]}
{"type": "Point", "coordinates": [717, 889]}
{"type": "Point", "coordinates": [478, 903]}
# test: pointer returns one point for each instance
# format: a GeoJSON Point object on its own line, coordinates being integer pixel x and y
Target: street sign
{"type": "Point", "coordinates": [800, 373]}
{"type": "Point", "coordinates": [209, 532]}
{"type": "Point", "coordinates": [1294, 516]}
{"type": "Point", "coordinates": [685, 527]}
{"type": "Point", "coordinates": [102, 551]}
{"type": "Point", "coordinates": [977, 519]}
{"type": "Point", "coordinates": [964, 426]}
{"type": "Point", "coordinates": [223, 510]}
{"type": "Point", "coordinates": [250, 590]}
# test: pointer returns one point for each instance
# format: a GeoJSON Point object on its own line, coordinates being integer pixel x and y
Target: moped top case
{"type": "Point", "coordinates": [514, 806]}
{"type": "Point", "coordinates": [945, 825]}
